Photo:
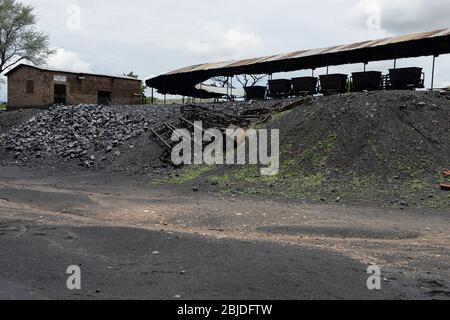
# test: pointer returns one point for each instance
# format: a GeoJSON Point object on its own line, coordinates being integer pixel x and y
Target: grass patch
{"type": "Point", "coordinates": [410, 166]}
{"type": "Point", "coordinates": [318, 154]}
{"type": "Point", "coordinates": [221, 181]}
{"type": "Point", "coordinates": [418, 185]}
{"type": "Point", "coordinates": [438, 202]}
{"type": "Point", "coordinates": [315, 157]}
{"type": "Point", "coordinates": [190, 173]}
{"type": "Point", "coordinates": [298, 186]}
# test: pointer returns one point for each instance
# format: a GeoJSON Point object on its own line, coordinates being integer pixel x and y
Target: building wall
{"type": "Point", "coordinates": [17, 96]}
{"type": "Point", "coordinates": [78, 91]}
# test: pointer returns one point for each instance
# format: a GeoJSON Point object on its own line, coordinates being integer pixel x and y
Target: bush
{"type": "Point", "coordinates": [2, 106]}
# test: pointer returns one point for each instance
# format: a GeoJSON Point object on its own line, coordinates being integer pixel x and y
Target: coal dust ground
{"type": "Point", "coordinates": [358, 188]}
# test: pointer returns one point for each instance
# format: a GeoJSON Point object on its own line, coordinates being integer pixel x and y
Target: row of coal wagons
{"type": "Point", "coordinates": [397, 79]}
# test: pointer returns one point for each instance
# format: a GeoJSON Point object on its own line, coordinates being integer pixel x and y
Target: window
{"type": "Point", "coordinates": [30, 87]}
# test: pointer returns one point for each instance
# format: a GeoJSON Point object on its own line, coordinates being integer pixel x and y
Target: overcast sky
{"type": "Point", "coordinates": [151, 37]}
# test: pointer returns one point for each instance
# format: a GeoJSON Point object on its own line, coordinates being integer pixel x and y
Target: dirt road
{"type": "Point", "coordinates": [135, 239]}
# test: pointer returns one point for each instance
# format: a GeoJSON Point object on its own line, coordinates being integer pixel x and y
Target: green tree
{"type": "Point", "coordinates": [19, 39]}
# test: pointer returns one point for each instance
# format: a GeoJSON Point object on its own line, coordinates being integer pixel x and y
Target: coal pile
{"type": "Point", "coordinates": [85, 134]}
{"type": "Point", "coordinates": [110, 138]}
{"type": "Point", "coordinates": [13, 118]}
{"type": "Point", "coordinates": [384, 148]}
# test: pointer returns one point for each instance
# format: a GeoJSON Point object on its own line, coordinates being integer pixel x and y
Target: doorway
{"type": "Point", "coordinates": [60, 94]}
{"type": "Point", "coordinates": [104, 98]}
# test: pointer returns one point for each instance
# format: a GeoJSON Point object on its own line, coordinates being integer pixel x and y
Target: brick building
{"type": "Point", "coordinates": [30, 86]}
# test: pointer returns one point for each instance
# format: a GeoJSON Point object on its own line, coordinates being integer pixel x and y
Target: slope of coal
{"type": "Point", "coordinates": [92, 137]}
{"type": "Point", "coordinates": [389, 148]}
{"type": "Point", "coordinates": [89, 136]}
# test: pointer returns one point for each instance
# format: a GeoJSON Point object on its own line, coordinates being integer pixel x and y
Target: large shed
{"type": "Point", "coordinates": [185, 81]}
{"type": "Point", "coordinates": [31, 86]}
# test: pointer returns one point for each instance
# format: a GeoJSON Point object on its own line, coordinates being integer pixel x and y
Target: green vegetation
{"type": "Point", "coordinates": [2, 107]}
{"type": "Point", "coordinates": [190, 173]}
{"type": "Point", "coordinates": [418, 185]}
{"type": "Point", "coordinates": [293, 181]}
{"type": "Point", "coordinates": [318, 155]}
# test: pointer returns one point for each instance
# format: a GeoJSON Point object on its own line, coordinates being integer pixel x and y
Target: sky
{"type": "Point", "coordinates": [152, 37]}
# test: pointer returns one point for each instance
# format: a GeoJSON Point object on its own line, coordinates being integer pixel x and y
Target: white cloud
{"type": "Point", "coordinates": [219, 42]}
{"type": "Point", "coordinates": [68, 60]}
{"type": "Point", "coordinates": [401, 16]}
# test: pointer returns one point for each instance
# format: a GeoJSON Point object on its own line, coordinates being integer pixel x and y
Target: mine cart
{"type": "Point", "coordinates": [255, 93]}
{"type": "Point", "coordinates": [405, 79]}
{"type": "Point", "coordinates": [370, 81]}
{"type": "Point", "coordinates": [280, 88]}
{"type": "Point", "coordinates": [333, 83]}
{"type": "Point", "coordinates": [304, 85]}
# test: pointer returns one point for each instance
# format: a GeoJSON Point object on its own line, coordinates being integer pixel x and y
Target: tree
{"type": "Point", "coordinates": [19, 39]}
{"type": "Point", "coordinates": [221, 82]}
{"type": "Point", "coordinates": [251, 79]}
{"type": "Point", "coordinates": [131, 75]}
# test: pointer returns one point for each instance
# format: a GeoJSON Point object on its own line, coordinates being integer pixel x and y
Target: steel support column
{"type": "Point", "coordinates": [432, 72]}
{"type": "Point", "coordinates": [231, 88]}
